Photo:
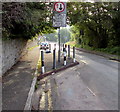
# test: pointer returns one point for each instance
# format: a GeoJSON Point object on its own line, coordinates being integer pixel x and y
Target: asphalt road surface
{"type": "Point", "coordinates": [100, 75]}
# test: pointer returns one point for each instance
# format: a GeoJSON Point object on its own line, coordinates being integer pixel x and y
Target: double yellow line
{"type": "Point", "coordinates": [39, 65]}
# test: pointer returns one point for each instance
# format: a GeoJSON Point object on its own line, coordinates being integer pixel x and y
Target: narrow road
{"type": "Point", "coordinates": [100, 75]}
{"type": "Point", "coordinates": [92, 85]}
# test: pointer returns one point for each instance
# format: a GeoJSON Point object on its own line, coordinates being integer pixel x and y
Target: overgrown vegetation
{"type": "Point", "coordinates": [25, 20]}
{"type": "Point", "coordinates": [95, 25]}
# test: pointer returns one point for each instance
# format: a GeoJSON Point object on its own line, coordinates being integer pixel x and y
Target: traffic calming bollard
{"type": "Point", "coordinates": [42, 62]}
{"type": "Point", "coordinates": [55, 46]}
{"type": "Point", "coordinates": [68, 51]}
{"type": "Point", "coordinates": [74, 54]}
{"type": "Point", "coordinates": [59, 53]}
{"type": "Point", "coordinates": [50, 47]}
{"type": "Point", "coordinates": [54, 59]}
{"type": "Point", "coordinates": [64, 50]}
{"type": "Point", "coordinates": [63, 46]}
{"type": "Point", "coordinates": [66, 47]}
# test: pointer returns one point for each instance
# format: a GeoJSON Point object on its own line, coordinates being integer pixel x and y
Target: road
{"type": "Point", "coordinates": [95, 89]}
{"type": "Point", "coordinates": [100, 75]}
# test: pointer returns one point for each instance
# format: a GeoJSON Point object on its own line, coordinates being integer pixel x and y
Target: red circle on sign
{"type": "Point", "coordinates": [56, 4]}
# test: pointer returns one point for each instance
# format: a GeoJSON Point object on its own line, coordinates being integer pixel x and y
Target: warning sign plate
{"type": "Point", "coordinates": [59, 20]}
{"type": "Point", "coordinates": [60, 7]}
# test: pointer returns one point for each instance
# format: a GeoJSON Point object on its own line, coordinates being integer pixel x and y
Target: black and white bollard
{"type": "Point", "coordinates": [42, 62]}
{"type": "Point", "coordinates": [65, 54]}
{"type": "Point", "coordinates": [68, 51]}
{"type": "Point", "coordinates": [50, 47]}
{"type": "Point", "coordinates": [55, 46]}
{"type": "Point", "coordinates": [54, 59]}
{"type": "Point", "coordinates": [74, 54]}
{"type": "Point", "coordinates": [63, 46]}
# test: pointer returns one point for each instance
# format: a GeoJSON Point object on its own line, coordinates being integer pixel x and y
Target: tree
{"type": "Point", "coordinates": [64, 35]}
{"type": "Point", "coordinates": [26, 19]}
{"type": "Point", "coordinates": [99, 21]}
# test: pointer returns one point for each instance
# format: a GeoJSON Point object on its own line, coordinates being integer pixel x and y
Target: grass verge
{"type": "Point", "coordinates": [110, 50]}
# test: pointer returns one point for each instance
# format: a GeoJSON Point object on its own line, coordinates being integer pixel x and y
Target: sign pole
{"type": "Point", "coordinates": [59, 44]}
{"type": "Point", "coordinates": [59, 19]}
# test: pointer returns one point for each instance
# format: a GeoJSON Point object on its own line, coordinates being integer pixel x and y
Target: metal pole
{"type": "Point", "coordinates": [59, 44]}
{"type": "Point", "coordinates": [68, 51]}
{"type": "Point", "coordinates": [42, 62]}
{"type": "Point", "coordinates": [64, 56]}
{"type": "Point", "coordinates": [50, 47]}
{"type": "Point", "coordinates": [54, 59]}
{"type": "Point", "coordinates": [74, 54]}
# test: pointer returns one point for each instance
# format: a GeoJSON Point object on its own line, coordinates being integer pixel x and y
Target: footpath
{"type": "Point", "coordinates": [17, 81]}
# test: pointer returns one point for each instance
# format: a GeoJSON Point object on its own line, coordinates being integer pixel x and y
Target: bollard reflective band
{"type": "Point", "coordinates": [65, 53]}
{"type": "Point", "coordinates": [43, 69]}
{"type": "Point", "coordinates": [74, 60]}
{"type": "Point", "coordinates": [64, 62]}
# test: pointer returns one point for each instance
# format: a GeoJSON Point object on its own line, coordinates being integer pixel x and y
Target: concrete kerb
{"type": "Point", "coordinates": [28, 104]}
{"type": "Point", "coordinates": [50, 72]}
{"type": "Point", "coordinates": [41, 76]}
{"type": "Point", "coordinates": [116, 58]}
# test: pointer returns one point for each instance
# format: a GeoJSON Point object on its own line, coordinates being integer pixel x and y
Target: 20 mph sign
{"type": "Point", "coordinates": [59, 7]}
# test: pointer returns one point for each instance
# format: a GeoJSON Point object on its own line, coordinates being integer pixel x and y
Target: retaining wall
{"type": "Point", "coordinates": [11, 52]}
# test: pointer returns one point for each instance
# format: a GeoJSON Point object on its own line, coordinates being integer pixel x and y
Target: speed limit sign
{"type": "Point", "coordinates": [59, 7]}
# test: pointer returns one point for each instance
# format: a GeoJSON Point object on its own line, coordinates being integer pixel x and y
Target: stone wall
{"type": "Point", "coordinates": [11, 52]}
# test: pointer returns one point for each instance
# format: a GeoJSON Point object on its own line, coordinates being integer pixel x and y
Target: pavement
{"type": "Point", "coordinates": [17, 81]}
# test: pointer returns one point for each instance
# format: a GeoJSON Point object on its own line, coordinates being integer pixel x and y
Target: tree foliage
{"type": "Point", "coordinates": [64, 36]}
{"type": "Point", "coordinates": [51, 37]}
{"type": "Point", "coordinates": [26, 19]}
{"type": "Point", "coordinates": [99, 21]}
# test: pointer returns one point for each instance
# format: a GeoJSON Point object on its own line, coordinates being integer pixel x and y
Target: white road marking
{"type": "Point", "coordinates": [91, 91]}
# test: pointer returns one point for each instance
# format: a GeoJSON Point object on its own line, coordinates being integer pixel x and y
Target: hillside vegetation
{"type": "Point", "coordinates": [95, 26]}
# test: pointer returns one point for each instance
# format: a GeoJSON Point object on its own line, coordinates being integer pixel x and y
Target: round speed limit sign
{"type": "Point", "coordinates": [59, 7]}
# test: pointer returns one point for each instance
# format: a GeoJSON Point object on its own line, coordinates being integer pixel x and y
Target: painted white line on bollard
{"type": "Point", "coordinates": [64, 63]}
{"type": "Point", "coordinates": [43, 69]}
{"type": "Point", "coordinates": [74, 60]}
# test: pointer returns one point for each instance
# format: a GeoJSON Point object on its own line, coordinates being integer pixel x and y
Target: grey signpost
{"type": "Point", "coordinates": [59, 19]}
